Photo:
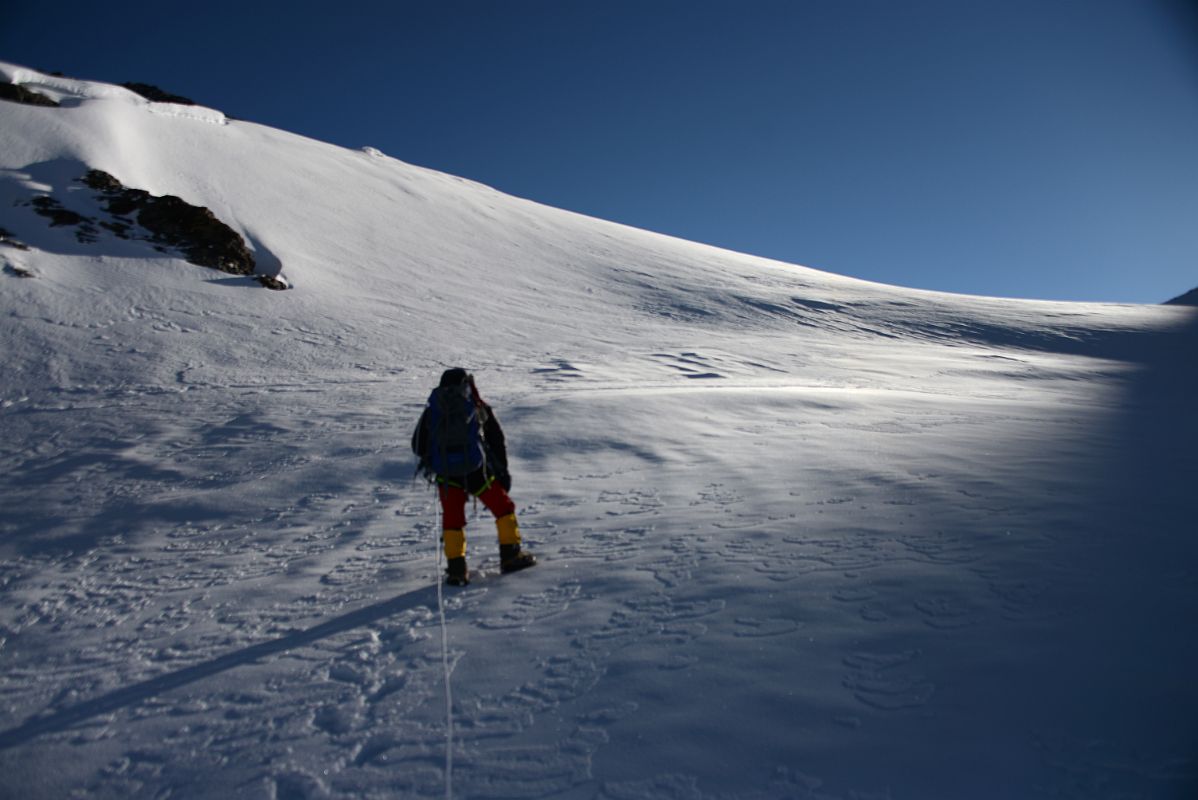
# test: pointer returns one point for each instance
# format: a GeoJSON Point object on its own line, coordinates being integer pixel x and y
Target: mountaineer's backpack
{"type": "Point", "coordinates": [455, 442]}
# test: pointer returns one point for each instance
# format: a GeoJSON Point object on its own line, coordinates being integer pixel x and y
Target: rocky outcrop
{"type": "Point", "coordinates": [85, 227]}
{"type": "Point", "coordinates": [19, 94]}
{"type": "Point", "coordinates": [167, 222]}
{"type": "Point", "coordinates": [172, 222]}
{"type": "Point", "coordinates": [11, 267]}
{"type": "Point", "coordinates": [8, 239]}
{"type": "Point", "coordinates": [151, 92]}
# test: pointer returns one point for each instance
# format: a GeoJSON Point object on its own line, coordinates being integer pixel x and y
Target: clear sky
{"type": "Point", "coordinates": [1023, 148]}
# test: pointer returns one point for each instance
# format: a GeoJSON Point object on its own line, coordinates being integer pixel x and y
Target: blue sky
{"type": "Point", "coordinates": [1023, 148]}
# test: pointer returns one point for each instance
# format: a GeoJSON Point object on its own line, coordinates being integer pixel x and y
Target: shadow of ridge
{"type": "Point", "coordinates": [132, 695]}
{"type": "Point", "coordinates": [1127, 659]}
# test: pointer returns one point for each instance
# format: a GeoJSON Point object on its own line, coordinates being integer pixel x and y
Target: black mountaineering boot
{"type": "Point", "coordinates": [512, 558]}
{"type": "Point", "coordinates": [456, 573]}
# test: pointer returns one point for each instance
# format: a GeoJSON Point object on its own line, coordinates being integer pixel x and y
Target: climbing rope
{"type": "Point", "coordinates": [448, 683]}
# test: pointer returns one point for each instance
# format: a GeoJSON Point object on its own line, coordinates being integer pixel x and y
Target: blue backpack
{"type": "Point", "coordinates": [455, 444]}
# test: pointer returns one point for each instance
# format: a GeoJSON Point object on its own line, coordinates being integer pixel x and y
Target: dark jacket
{"type": "Point", "coordinates": [494, 448]}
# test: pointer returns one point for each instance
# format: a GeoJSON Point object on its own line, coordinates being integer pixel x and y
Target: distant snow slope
{"type": "Point", "coordinates": [801, 535]}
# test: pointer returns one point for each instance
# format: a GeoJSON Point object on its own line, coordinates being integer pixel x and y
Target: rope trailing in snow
{"type": "Point", "coordinates": [448, 684]}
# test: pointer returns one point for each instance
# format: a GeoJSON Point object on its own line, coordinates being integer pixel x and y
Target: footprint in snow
{"type": "Point", "coordinates": [529, 608]}
{"type": "Point", "coordinates": [887, 681]}
{"type": "Point", "coordinates": [748, 627]}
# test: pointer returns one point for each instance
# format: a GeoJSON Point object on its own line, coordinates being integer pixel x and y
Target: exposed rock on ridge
{"type": "Point", "coordinates": [172, 222]}
{"type": "Point", "coordinates": [153, 93]}
{"type": "Point", "coordinates": [19, 94]}
{"type": "Point", "coordinates": [167, 222]}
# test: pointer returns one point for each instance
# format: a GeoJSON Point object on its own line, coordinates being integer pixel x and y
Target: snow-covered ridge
{"type": "Point", "coordinates": [368, 230]}
{"type": "Point", "coordinates": [801, 536]}
{"type": "Point", "coordinates": [69, 92]}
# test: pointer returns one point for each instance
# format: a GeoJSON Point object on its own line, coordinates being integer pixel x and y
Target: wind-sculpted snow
{"type": "Point", "coordinates": [800, 536]}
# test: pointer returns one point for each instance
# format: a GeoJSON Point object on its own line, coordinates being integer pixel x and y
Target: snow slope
{"type": "Point", "coordinates": [802, 536]}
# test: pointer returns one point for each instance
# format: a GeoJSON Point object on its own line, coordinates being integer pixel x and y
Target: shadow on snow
{"type": "Point", "coordinates": [140, 692]}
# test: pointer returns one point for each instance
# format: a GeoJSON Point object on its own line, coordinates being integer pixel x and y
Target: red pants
{"type": "Point", "coordinates": [453, 504]}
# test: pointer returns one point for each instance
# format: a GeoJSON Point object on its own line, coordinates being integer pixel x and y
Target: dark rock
{"type": "Point", "coordinates": [154, 94]}
{"type": "Point", "coordinates": [9, 239]}
{"type": "Point", "coordinates": [52, 210]}
{"type": "Point", "coordinates": [271, 282]}
{"type": "Point", "coordinates": [168, 223]}
{"type": "Point", "coordinates": [17, 270]}
{"type": "Point", "coordinates": [197, 232]}
{"type": "Point", "coordinates": [85, 227]}
{"type": "Point", "coordinates": [125, 204]}
{"type": "Point", "coordinates": [101, 181]}
{"type": "Point", "coordinates": [119, 229]}
{"type": "Point", "coordinates": [19, 94]}
{"type": "Point", "coordinates": [1190, 298]}
{"type": "Point", "coordinates": [172, 222]}
{"type": "Point", "coordinates": [118, 201]}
